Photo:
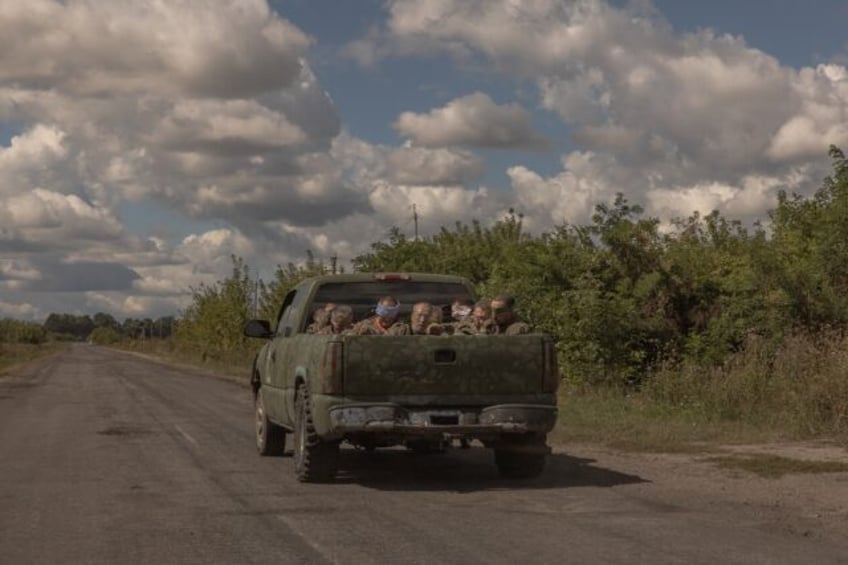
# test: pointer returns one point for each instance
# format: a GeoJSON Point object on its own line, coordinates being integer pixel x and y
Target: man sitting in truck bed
{"type": "Point", "coordinates": [503, 313]}
{"type": "Point", "coordinates": [422, 320]}
{"type": "Point", "coordinates": [341, 320]}
{"type": "Point", "coordinates": [320, 318]}
{"type": "Point", "coordinates": [384, 321]}
{"type": "Point", "coordinates": [480, 321]}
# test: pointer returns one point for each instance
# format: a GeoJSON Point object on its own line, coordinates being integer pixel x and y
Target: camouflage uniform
{"type": "Point", "coordinates": [330, 330]}
{"type": "Point", "coordinates": [479, 322]}
{"type": "Point", "coordinates": [514, 328]}
{"type": "Point", "coordinates": [341, 320]}
{"type": "Point", "coordinates": [503, 314]}
{"type": "Point", "coordinates": [372, 326]}
{"type": "Point", "coordinates": [386, 312]}
{"type": "Point", "coordinates": [474, 327]}
{"type": "Point", "coordinates": [321, 320]}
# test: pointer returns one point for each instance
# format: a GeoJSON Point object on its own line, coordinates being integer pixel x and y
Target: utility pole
{"type": "Point", "coordinates": [415, 220]}
{"type": "Point", "coordinates": [333, 260]}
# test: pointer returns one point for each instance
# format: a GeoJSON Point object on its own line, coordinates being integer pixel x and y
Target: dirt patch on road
{"type": "Point", "coordinates": [798, 488]}
{"type": "Point", "coordinates": [125, 430]}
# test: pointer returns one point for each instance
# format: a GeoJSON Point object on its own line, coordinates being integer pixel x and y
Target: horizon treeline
{"type": "Point", "coordinates": [102, 328]}
{"type": "Point", "coordinates": [622, 296]}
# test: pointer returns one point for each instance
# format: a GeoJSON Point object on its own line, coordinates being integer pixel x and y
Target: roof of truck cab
{"type": "Point", "coordinates": [363, 277]}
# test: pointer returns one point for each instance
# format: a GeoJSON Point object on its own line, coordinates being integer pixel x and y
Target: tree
{"type": "Point", "coordinates": [104, 335]}
{"type": "Point", "coordinates": [811, 251]}
{"type": "Point", "coordinates": [214, 321]}
{"type": "Point", "coordinates": [271, 295]}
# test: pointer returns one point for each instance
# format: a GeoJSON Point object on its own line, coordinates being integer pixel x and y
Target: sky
{"type": "Point", "coordinates": [144, 142]}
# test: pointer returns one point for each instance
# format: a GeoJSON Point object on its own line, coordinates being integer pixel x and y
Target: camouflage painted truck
{"type": "Point", "coordinates": [419, 391]}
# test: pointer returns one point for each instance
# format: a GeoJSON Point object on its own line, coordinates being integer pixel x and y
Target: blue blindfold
{"type": "Point", "coordinates": [387, 311]}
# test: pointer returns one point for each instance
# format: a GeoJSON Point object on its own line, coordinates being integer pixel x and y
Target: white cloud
{"type": "Point", "coordinates": [436, 205]}
{"type": "Point", "coordinates": [474, 120]}
{"type": "Point", "coordinates": [567, 197]}
{"type": "Point", "coordinates": [185, 47]}
{"type": "Point", "coordinates": [745, 200]}
{"type": "Point", "coordinates": [218, 96]}
{"type": "Point", "coordinates": [18, 270]}
{"type": "Point", "coordinates": [822, 119]}
{"type": "Point", "coordinates": [677, 115]}
{"type": "Point", "coordinates": [227, 126]}
{"type": "Point", "coordinates": [39, 147]}
{"type": "Point", "coordinates": [700, 102]}
{"type": "Point", "coordinates": [420, 165]}
{"type": "Point", "coordinates": [210, 249]}
{"type": "Point", "coordinates": [60, 220]}
{"type": "Point", "coordinates": [19, 311]}
{"type": "Point", "coordinates": [38, 156]}
{"type": "Point", "coordinates": [362, 163]}
{"type": "Point", "coordinates": [208, 108]}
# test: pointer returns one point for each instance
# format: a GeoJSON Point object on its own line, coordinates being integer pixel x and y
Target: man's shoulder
{"type": "Point", "coordinates": [363, 326]}
{"type": "Point", "coordinates": [462, 328]}
{"type": "Point", "coordinates": [517, 328]}
{"type": "Point", "coordinates": [399, 328]}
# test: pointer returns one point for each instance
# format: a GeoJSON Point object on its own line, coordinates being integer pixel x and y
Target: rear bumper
{"type": "Point", "coordinates": [393, 419]}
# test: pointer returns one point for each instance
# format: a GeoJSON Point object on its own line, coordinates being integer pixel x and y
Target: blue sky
{"type": "Point", "coordinates": [315, 124]}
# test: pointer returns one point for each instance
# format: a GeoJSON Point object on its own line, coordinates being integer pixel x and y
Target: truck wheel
{"type": "Point", "coordinates": [314, 460]}
{"type": "Point", "coordinates": [270, 438]}
{"type": "Point", "coordinates": [519, 465]}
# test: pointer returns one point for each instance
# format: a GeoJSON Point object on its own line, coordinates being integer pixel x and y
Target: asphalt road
{"type": "Point", "coordinates": [109, 458]}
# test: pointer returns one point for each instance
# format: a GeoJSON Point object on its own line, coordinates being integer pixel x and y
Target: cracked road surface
{"type": "Point", "coordinates": [106, 457]}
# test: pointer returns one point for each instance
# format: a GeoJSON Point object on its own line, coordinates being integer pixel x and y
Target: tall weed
{"type": "Point", "coordinates": [799, 388]}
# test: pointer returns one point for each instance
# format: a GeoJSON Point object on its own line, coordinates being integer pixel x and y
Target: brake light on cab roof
{"type": "Point", "coordinates": [392, 277]}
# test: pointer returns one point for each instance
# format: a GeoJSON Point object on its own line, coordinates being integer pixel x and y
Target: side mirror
{"type": "Point", "coordinates": [258, 328]}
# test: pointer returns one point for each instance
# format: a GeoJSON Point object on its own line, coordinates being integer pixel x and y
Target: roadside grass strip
{"type": "Point", "coordinates": [13, 356]}
{"type": "Point", "coordinates": [776, 466]}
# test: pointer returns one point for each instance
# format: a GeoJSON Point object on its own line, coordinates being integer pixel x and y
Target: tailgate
{"type": "Point", "coordinates": [443, 365]}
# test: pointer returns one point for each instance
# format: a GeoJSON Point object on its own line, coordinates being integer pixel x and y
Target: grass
{"type": "Point", "coordinates": [13, 354]}
{"type": "Point", "coordinates": [776, 466]}
{"type": "Point", "coordinates": [235, 364]}
{"type": "Point", "coordinates": [636, 422]}
{"type": "Point", "coordinates": [797, 391]}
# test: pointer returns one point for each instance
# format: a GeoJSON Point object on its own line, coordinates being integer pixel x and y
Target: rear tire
{"type": "Point", "coordinates": [270, 438]}
{"type": "Point", "coordinates": [314, 460]}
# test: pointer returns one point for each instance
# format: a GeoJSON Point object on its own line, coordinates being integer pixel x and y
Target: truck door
{"type": "Point", "coordinates": [276, 376]}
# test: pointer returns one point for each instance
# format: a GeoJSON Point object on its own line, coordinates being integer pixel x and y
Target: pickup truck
{"type": "Point", "coordinates": [418, 391]}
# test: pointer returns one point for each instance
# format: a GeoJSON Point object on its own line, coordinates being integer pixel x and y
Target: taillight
{"type": "Point", "coordinates": [550, 368]}
{"type": "Point", "coordinates": [331, 369]}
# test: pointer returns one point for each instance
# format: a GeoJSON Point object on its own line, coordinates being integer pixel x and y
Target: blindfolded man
{"type": "Point", "coordinates": [384, 321]}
